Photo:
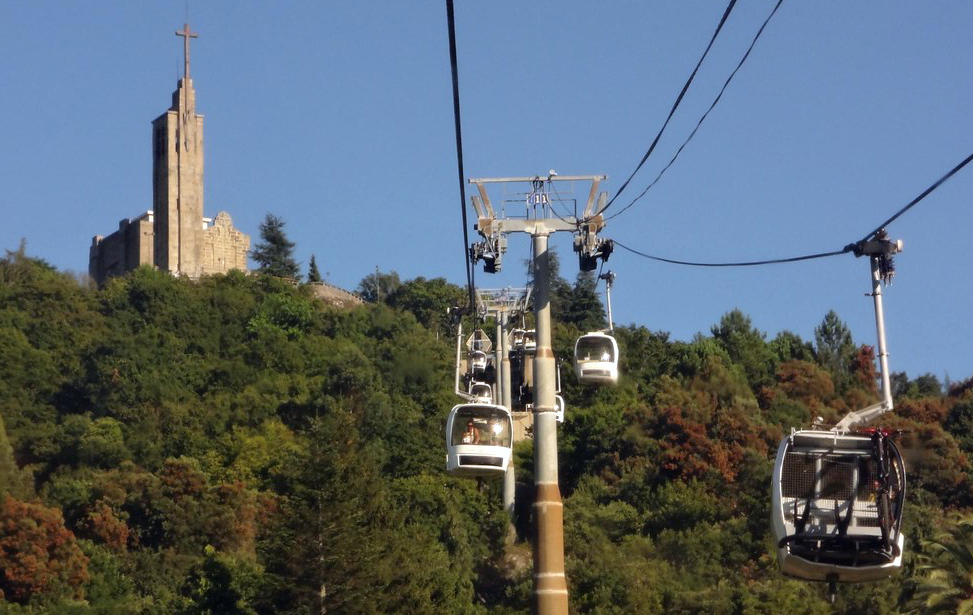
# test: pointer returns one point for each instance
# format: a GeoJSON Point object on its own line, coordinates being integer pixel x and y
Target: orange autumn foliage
{"type": "Point", "coordinates": [104, 523]}
{"type": "Point", "coordinates": [38, 555]}
{"type": "Point", "coordinates": [805, 381]}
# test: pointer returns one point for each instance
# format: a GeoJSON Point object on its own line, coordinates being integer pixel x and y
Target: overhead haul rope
{"type": "Point", "coordinates": [739, 264]}
{"type": "Point", "coordinates": [916, 200]}
{"type": "Point", "coordinates": [675, 105]}
{"type": "Point", "coordinates": [848, 248]}
{"type": "Point", "coordinates": [459, 152]}
{"type": "Point", "coordinates": [705, 115]}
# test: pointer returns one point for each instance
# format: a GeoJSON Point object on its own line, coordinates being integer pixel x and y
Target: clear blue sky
{"type": "Point", "coordinates": [337, 116]}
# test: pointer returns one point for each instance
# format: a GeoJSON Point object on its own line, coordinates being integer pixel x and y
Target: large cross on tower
{"type": "Point", "coordinates": [186, 34]}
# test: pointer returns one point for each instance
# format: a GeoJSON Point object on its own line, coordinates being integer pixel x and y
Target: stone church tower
{"type": "Point", "coordinates": [174, 235]}
{"type": "Point", "coordinates": [177, 178]}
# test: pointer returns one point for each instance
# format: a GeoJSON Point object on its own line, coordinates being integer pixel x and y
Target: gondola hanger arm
{"type": "Point", "coordinates": [864, 416]}
{"type": "Point", "coordinates": [880, 251]}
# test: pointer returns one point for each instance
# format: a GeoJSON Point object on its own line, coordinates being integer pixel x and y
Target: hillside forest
{"type": "Point", "coordinates": [235, 446]}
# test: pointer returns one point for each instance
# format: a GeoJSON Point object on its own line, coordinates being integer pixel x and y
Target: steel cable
{"type": "Point", "coordinates": [705, 115]}
{"type": "Point", "coordinates": [675, 105]}
{"type": "Point", "coordinates": [459, 150]}
{"type": "Point", "coordinates": [848, 248]}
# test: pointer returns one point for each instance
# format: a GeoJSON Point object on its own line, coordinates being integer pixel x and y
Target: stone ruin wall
{"type": "Point", "coordinates": [224, 247]}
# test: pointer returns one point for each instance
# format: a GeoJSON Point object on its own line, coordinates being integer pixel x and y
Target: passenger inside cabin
{"type": "Point", "coordinates": [472, 434]}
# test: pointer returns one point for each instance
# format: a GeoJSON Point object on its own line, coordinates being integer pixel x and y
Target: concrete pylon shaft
{"type": "Point", "coordinates": [502, 395]}
{"type": "Point", "coordinates": [497, 366]}
{"type": "Point", "coordinates": [550, 585]}
{"type": "Point", "coordinates": [506, 397]}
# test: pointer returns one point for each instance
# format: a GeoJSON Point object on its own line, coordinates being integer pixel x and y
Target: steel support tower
{"type": "Point", "coordinates": [550, 596]}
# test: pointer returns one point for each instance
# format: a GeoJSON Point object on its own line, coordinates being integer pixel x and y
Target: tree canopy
{"type": "Point", "coordinates": [234, 445]}
{"type": "Point", "coordinates": [313, 275]}
{"type": "Point", "coordinates": [275, 252]}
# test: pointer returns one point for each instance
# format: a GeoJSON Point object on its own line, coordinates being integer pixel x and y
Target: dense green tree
{"type": "Point", "coordinates": [584, 309]}
{"type": "Point", "coordinates": [926, 385]}
{"type": "Point", "coordinates": [789, 346]}
{"type": "Point", "coordinates": [560, 290]}
{"type": "Point", "coordinates": [428, 300]}
{"type": "Point", "coordinates": [221, 584]}
{"type": "Point", "coordinates": [12, 479]}
{"type": "Point", "coordinates": [322, 522]}
{"type": "Point", "coordinates": [282, 312]}
{"type": "Point", "coordinates": [745, 345]}
{"type": "Point", "coordinates": [900, 384]}
{"type": "Point", "coordinates": [959, 389]}
{"type": "Point", "coordinates": [835, 349]}
{"type": "Point", "coordinates": [103, 444]}
{"type": "Point", "coordinates": [111, 589]}
{"type": "Point", "coordinates": [959, 423]}
{"type": "Point", "coordinates": [313, 275]}
{"type": "Point", "coordinates": [275, 252]}
{"type": "Point", "coordinates": [378, 286]}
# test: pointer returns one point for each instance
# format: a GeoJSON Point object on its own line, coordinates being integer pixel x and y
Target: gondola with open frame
{"type": "Point", "coordinates": [838, 494]}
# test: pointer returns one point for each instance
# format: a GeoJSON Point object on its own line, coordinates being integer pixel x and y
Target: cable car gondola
{"type": "Point", "coordinates": [596, 352]}
{"type": "Point", "coordinates": [837, 506]}
{"type": "Point", "coordinates": [478, 361]}
{"type": "Point", "coordinates": [530, 341]}
{"type": "Point", "coordinates": [596, 359]}
{"type": "Point", "coordinates": [517, 339]}
{"type": "Point", "coordinates": [838, 494]}
{"type": "Point", "coordinates": [481, 392]}
{"type": "Point", "coordinates": [478, 440]}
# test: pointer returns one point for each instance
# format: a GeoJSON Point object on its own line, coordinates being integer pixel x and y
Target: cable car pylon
{"type": "Point", "coordinates": [502, 305]}
{"type": "Point", "coordinates": [550, 595]}
{"type": "Point", "coordinates": [838, 494]}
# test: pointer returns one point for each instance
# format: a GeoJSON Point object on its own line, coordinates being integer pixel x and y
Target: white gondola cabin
{"type": "Point", "coordinates": [559, 408]}
{"type": "Point", "coordinates": [478, 361]}
{"type": "Point", "coordinates": [517, 339]}
{"type": "Point", "coordinates": [837, 506]}
{"type": "Point", "coordinates": [530, 341]}
{"type": "Point", "coordinates": [596, 359]}
{"type": "Point", "coordinates": [478, 440]}
{"type": "Point", "coordinates": [481, 392]}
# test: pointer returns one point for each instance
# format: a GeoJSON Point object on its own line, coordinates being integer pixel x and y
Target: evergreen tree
{"type": "Point", "coordinates": [313, 275]}
{"type": "Point", "coordinates": [746, 345]}
{"type": "Point", "coordinates": [584, 310]}
{"type": "Point", "coordinates": [560, 291]}
{"type": "Point", "coordinates": [275, 253]}
{"type": "Point", "coordinates": [835, 349]}
{"type": "Point", "coordinates": [788, 346]}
